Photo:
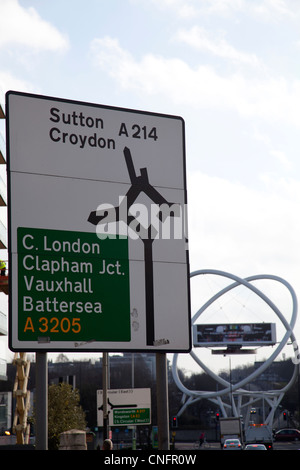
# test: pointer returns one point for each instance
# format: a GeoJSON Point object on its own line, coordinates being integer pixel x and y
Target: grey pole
{"type": "Point", "coordinates": [105, 394]}
{"type": "Point", "coordinates": [162, 401]}
{"type": "Point", "coordinates": [41, 401]}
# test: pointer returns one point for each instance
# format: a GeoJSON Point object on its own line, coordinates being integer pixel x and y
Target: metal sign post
{"type": "Point", "coordinates": [41, 401]}
{"type": "Point", "coordinates": [105, 389]}
{"type": "Point", "coordinates": [162, 402]}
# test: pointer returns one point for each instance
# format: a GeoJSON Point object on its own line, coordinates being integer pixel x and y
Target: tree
{"type": "Point", "coordinates": [62, 358]}
{"type": "Point", "coordinates": [64, 412]}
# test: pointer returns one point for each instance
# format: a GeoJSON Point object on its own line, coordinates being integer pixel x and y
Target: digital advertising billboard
{"type": "Point", "coordinates": [234, 334]}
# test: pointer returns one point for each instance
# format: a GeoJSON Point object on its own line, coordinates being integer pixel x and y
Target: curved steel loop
{"type": "Point", "coordinates": [289, 333]}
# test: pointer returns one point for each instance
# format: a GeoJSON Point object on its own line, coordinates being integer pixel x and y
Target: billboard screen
{"type": "Point", "coordinates": [239, 334]}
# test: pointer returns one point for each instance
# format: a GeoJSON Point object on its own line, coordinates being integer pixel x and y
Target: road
{"type": "Point", "coordinates": [293, 445]}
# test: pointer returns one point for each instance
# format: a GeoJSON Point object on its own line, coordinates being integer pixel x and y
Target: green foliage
{"type": "Point", "coordinates": [64, 412]}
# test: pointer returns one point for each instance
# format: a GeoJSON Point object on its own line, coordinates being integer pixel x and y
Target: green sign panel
{"type": "Point", "coordinates": [131, 416]}
{"type": "Point", "coordinates": [72, 286]}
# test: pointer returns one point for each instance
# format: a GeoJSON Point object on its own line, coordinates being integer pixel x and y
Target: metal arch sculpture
{"type": "Point", "coordinates": [273, 397]}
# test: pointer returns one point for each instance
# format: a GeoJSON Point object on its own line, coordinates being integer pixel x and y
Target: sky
{"type": "Point", "coordinates": [230, 69]}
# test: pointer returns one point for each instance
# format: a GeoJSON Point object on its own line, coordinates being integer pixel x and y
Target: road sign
{"type": "Point", "coordinates": [126, 407]}
{"type": "Point", "coordinates": [98, 253]}
{"type": "Point", "coordinates": [131, 416]}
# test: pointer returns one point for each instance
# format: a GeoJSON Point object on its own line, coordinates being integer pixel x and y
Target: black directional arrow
{"type": "Point", "coordinates": [140, 184]}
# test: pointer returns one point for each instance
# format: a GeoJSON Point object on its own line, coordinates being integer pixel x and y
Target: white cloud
{"type": "Point", "coordinates": [23, 26]}
{"type": "Point", "coordinates": [279, 155]}
{"type": "Point", "coordinates": [276, 9]}
{"type": "Point", "coordinates": [243, 230]}
{"type": "Point", "coordinates": [9, 82]}
{"type": "Point", "coordinates": [183, 8]}
{"type": "Point", "coordinates": [272, 99]}
{"type": "Point", "coordinates": [282, 158]}
{"type": "Point", "coordinates": [200, 39]}
{"type": "Point", "coordinates": [265, 10]}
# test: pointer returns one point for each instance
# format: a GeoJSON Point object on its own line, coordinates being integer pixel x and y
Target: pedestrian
{"type": "Point", "coordinates": [107, 444]}
{"type": "Point", "coordinates": [2, 267]}
{"type": "Point", "coordinates": [201, 439]}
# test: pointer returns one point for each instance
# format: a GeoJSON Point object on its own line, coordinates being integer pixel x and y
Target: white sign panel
{"type": "Point", "coordinates": [97, 227]}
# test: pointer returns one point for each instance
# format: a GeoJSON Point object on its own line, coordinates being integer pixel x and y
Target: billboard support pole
{"type": "Point", "coordinates": [162, 401]}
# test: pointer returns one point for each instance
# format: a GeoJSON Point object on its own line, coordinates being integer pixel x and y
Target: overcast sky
{"type": "Point", "coordinates": [230, 68]}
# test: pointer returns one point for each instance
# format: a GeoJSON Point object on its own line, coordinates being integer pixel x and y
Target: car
{"type": "Point", "coordinates": [288, 434]}
{"type": "Point", "coordinates": [255, 447]}
{"type": "Point", "coordinates": [232, 444]}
